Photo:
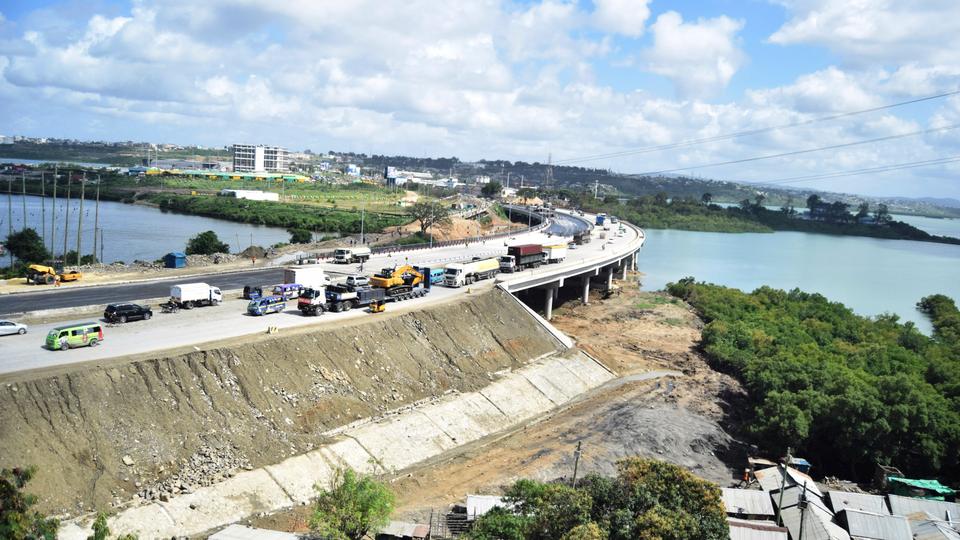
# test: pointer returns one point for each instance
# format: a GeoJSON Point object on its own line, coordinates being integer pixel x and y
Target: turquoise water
{"type": "Point", "coordinates": [869, 275]}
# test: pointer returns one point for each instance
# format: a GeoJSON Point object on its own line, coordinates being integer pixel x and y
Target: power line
{"type": "Point", "coordinates": [805, 151]}
{"type": "Point", "coordinates": [855, 172]}
{"type": "Point", "coordinates": [737, 134]}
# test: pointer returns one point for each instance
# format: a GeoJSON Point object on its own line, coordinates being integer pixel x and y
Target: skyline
{"type": "Point", "coordinates": [502, 80]}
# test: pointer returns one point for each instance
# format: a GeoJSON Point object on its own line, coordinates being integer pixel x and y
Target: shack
{"type": "Point", "coordinates": [923, 489]}
{"type": "Point", "coordinates": [175, 259]}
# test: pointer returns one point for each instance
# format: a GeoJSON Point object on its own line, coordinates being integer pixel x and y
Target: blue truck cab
{"type": "Point", "coordinates": [601, 218]}
{"type": "Point", "coordinates": [267, 304]}
{"type": "Point", "coordinates": [435, 274]}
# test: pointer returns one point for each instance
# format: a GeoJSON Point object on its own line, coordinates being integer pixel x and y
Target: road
{"type": "Point", "coordinates": [166, 331]}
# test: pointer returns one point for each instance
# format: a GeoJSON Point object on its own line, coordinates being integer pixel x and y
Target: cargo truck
{"type": "Point", "coordinates": [189, 295]}
{"type": "Point", "coordinates": [555, 254]}
{"type": "Point", "coordinates": [338, 298]}
{"type": "Point", "coordinates": [522, 257]}
{"type": "Point", "coordinates": [601, 219]}
{"type": "Point", "coordinates": [306, 276]}
{"type": "Point", "coordinates": [460, 274]}
{"type": "Point", "coordinates": [351, 255]}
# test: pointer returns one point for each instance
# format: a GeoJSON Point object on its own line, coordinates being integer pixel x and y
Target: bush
{"type": "Point", "coordinates": [17, 520]}
{"type": "Point", "coordinates": [354, 506]}
{"type": "Point", "coordinates": [206, 243]}
{"type": "Point", "coordinates": [27, 246]}
{"type": "Point", "coordinates": [300, 236]}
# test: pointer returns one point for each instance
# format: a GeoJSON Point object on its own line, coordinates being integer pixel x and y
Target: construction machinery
{"type": "Point", "coordinates": [49, 272]}
{"type": "Point", "coordinates": [400, 282]}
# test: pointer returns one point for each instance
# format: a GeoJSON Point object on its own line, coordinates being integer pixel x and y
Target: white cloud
{"type": "Point", "coordinates": [699, 57]}
{"type": "Point", "coordinates": [626, 17]}
{"type": "Point", "coordinates": [829, 90]}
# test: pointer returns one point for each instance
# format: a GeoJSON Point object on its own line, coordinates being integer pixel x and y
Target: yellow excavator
{"type": "Point", "coordinates": [49, 272]}
{"type": "Point", "coordinates": [400, 282]}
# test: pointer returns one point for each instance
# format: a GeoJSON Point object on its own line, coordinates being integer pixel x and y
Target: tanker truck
{"type": "Point", "coordinates": [460, 274]}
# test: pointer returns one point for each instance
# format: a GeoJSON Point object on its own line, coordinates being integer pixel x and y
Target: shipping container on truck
{"type": "Point", "coordinates": [308, 277]}
{"type": "Point", "coordinates": [522, 257]}
{"type": "Point", "coordinates": [351, 255]}
{"type": "Point", "coordinates": [460, 274]}
{"type": "Point", "coordinates": [555, 254]}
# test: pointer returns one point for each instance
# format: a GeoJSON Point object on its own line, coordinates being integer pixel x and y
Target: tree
{"type": "Point", "coordinates": [300, 236]}
{"type": "Point", "coordinates": [27, 246]}
{"type": "Point", "coordinates": [429, 214]}
{"type": "Point", "coordinates": [882, 214]}
{"type": "Point", "coordinates": [813, 201]}
{"type": "Point", "coordinates": [491, 189]}
{"type": "Point", "coordinates": [354, 506]}
{"type": "Point", "coordinates": [759, 198]}
{"type": "Point", "coordinates": [863, 210]}
{"type": "Point", "coordinates": [206, 243]}
{"type": "Point", "coordinates": [17, 521]}
{"type": "Point", "coordinates": [706, 198]}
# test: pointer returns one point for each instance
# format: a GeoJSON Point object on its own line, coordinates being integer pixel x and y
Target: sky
{"type": "Point", "coordinates": [489, 79]}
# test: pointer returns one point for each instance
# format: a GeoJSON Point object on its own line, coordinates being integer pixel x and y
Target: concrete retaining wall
{"type": "Point", "coordinates": [388, 445]}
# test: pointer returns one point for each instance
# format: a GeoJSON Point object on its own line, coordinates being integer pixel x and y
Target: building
{"type": "Point", "coordinates": [747, 503]}
{"type": "Point", "coordinates": [259, 158]}
{"type": "Point", "coordinates": [251, 194]}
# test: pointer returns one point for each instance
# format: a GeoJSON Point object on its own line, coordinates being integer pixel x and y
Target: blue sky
{"type": "Point", "coordinates": [498, 79]}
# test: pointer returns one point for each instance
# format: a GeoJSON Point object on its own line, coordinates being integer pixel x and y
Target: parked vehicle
{"type": "Point", "coordinates": [190, 295]}
{"type": "Point", "coordinates": [357, 280]}
{"type": "Point", "coordinates": [127, 312]}
{"type": "Point", "coordinates": [460, 274]}
{"type": "Point", "coordinates": [313, 301]}
{"type": "Point", "coordinates": [435, 275]}
{"type": "Point", "coordinates": [288, 291]}
{"type": "Point", "coordinates": [351, 255]}
{"type": "Point", "coordinates": [399, 281]}
{"type": "Point", "coordinates": [9, 327]}
{"type": "Point", "coordinates": [88, 334]}
{"type": "Point", "coordinates": [556, 253]}
{"type": "Point", "coordinates": [49, 272]}
{"type": "Point", "coordinates": [522, 257]}
{"type": "Point", "coordinates": [343, 298]}
{"type": "Point", "coordinates": [267, 304]}
{"type": "Point", "coordinates": [252, 292]}
{"type": "Point", "coordinates": [306, 276]}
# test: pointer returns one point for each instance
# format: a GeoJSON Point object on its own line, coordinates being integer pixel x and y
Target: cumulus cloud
{"type": "Point", "coordinates": [626, 17]}
{"type": "Point", "coordinates": [699, 57]}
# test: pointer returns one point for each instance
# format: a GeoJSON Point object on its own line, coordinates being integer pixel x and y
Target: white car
{"type": "Point", "coordinates": [10, 327]}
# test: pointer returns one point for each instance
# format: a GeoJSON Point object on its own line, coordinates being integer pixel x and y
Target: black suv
{"type": "Point", "coordinates": [126, 312]}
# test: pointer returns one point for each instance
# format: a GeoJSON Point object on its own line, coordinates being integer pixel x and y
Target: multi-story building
{"type": "Point", "coordinates": [259, 158]}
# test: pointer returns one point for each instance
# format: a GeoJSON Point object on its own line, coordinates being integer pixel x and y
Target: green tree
{"type": "Point", "coordinates": [863, 210]}
{"type": "Point", "coordinates": [590, 531]}
{"type": "Point", "coordinates": [206, 243]}
{"type": "Point", "coordinates": [100, 529]}
{"type": "Point", "coordinates": [500, 524]}
{"type": "Point", "coordinates": [491, 189]}
{"type": "Point", "coordinates": [17, 520]}
{"type": "Point", "coordinates": [27, 246]}
{"type": "Point", "coordinates": [429, 214]}
{"type": "Point", "coordinates": [882, 215]}
{"type": "Point", "coordinates": [300, 236]}
{"type": "Point", "coordinates": [352, 507]}
{"type": "Point", "coordinates": [706, 199]}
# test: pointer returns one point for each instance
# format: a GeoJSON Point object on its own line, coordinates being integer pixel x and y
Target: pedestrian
{"type": "Point", "coordinates": [56, 281]}
{"type": "Point", "coordinates": [253, 259]}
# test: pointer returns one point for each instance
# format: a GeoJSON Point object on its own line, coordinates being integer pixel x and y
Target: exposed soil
{"type": "Point", "coordinates": [157, 427]}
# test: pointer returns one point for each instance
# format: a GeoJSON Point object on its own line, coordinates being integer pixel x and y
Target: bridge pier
{"type": "Point", "coordinates": [624, 264]}
{"type": "Point", "coordinates": [609, 277]}
{"type": "Point", "coordinates": [550, 294]}
{"type": "Point", "coordinates": [585, 283]}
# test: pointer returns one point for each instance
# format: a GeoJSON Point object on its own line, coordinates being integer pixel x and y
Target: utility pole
{"type": "Point", "coordinates": [43, 208]}
{"type": "Point", "coordinates": [23, 196]}
{"type": "Point", "coordinates": [83, 184]}
{"type": "Point", "coordinates": [783, 483]}
{"type": "Point", "coordinates": [53, 213]}
{"type": "Point", "coordinates": [596, 186]}
{"type": "Point", "coordinates": [66, 221]}
{"type": "Point", "coordinates": [96, 220]}
{"type": "Point", "coordinates": [802, 503]}
{"type": "Point", "coordinates": [10, 215]}
{"type": "Point", "coordinates": [101, 244]}
{"type": "Point", "coordinates": [576, 460]}
{"type": "Point", "coordinates": [549, 179]}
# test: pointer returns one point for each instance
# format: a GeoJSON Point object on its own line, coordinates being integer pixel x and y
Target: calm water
{"type": "Point", "coordinates": [871, 276]}
{"type": "Point", "coordinates": [132, 232]}
{"type": "Point", "coordinates": [23, 161]}
{"type": "Point", "coordinates": [937, 226]}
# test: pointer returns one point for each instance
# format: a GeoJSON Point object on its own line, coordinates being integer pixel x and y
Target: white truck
{"type": "Point", "coordinates": [308, 277]}
{"type": "Point", "coordinates": [351, 255]}
{"type": "Point", "coordinates": [460, 274]}
{"type": "Point", "coordinates": [189, 295]}
{"type": "Point", "coordinates": [555, 254]}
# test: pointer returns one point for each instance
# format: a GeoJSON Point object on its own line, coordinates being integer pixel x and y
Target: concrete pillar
{"type": "Point", "coordinates": [556, 293]}
{"type": "Point", "coordinates": [548, 304]}
{"type": "Point", "coordinates": [585, 283]}
{"type": "Point", "coordinates": [609, 277]}
{"type": "Point", "coordinates": [624, 265]}
{"type": "Point", "coordinates": [633, 259]}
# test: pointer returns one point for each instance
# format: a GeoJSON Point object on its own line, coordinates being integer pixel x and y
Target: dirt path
{"type": "Point", "coordinates": [667, 404]}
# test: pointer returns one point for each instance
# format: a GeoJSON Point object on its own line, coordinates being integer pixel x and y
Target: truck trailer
{"type": "Point", "coordinates": [308, 277]}
{"type": "Point", "coordinates": [338, 298]}
{"type": "Point", "coordinates": [522, 257]}
{"type": "Point", "coordinates": [351, 255]}
{"type": "Point", "coordinates": [460, 274]}
{"type": "Point", "coordinates": [556, 253]}
{"type": "Point", "coordinates": [189, 295]}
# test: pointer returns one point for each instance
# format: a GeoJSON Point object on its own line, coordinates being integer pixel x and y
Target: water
{"type": "Point", "coordinates": [869, 275]}
{"type": "Point", "coordinates": [132, 232]}
{"type": "Point", "coordinates": [22, 161]}
{"type": "Point", "coordinates": [935, 226]}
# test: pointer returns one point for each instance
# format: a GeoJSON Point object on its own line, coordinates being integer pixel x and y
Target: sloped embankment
{"type": "Point", "coordinates": [173, 424]}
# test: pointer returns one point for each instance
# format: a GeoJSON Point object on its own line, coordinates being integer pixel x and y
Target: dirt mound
{"type": "Point", "coordinates": [162, 426]}
{"type": "Point", "coordinates": [253, 251]}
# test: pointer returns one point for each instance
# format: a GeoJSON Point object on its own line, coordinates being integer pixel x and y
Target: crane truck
{"type": "Point", "coordinates": [522, 257]}
{"type": "Point", "coordinates": [460, 274]}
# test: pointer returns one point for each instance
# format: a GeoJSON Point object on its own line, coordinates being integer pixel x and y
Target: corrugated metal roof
{"type": "Point", "coordinates": [816, 524]}
{"type": "Point", "coordinates": [840, 500]}
{"type": "Point", "coordinates": [904, 506]}
{"type": "Point", "coordinates": [791, 496]}
{"type": "Point", "coordinates": [402, 529]}
{"type": "Point", "coordinates": [478, 505]}
{"type": "Point", "coordinates": [771, 479]}
{"type": "Point", "coordinates": [741, 529]}
{"type": "Point", "coordinates": [747, 501]}
{"type": "Point", "coordinates": [872, 526]}
{"type": "Point", "coordinates": [242, 532]}
{"type": "Point", "coordinates": [930, 529]}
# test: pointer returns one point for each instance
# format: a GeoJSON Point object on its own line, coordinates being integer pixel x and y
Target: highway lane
{"type": "Point", "coordinates": [229, 320]}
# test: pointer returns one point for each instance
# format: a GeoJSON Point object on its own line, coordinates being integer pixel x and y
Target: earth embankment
{"type": "Point", "coordinates": [158, 427]}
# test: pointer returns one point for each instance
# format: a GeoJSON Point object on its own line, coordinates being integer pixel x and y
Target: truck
{"type": "Point", "coordinates": [434, 274]}
{"type": "Point", "coordinates": [189, 295]}
{"type": "Point", "coordinates": [460, 274]}
{"type": "Point", "coordinates": [351, 255]}
{"type": "Point", "coordinates": [556, 253]}
{"type": "Point", "coordinates": [400, 282]}
{"type": "Point", "coordinates": [306, 276]}
{"type": "Point", "coordinates": [521, 257]}
{"type": "Point", "coordinates": [601, 219]}
{"type": "Point", "coordinates": [336, 298]}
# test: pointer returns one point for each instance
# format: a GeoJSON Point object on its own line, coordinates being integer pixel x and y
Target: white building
{"type": "Point", "coordinates": [252, 194]}
{"type": "Point", "coordinates": [259, 158]}
{"type": "Point", "coordinates": [353, 170]}
{"type": "Point", "coordinates": [482, 180]}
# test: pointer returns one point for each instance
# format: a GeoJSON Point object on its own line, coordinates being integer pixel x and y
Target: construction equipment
{"type": "Point", "coordinates": [397, 281]}
{"type": "Point", "coordinates": [49, 272]}
{"type": "Point", "coordinates": [378, 307]}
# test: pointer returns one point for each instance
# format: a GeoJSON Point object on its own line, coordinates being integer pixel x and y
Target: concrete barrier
{"type": "Point", "coordinates": [388, 445]}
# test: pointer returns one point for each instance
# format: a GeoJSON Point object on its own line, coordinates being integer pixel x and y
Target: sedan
{"type": "Point", "coordinates": [10, 327]}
